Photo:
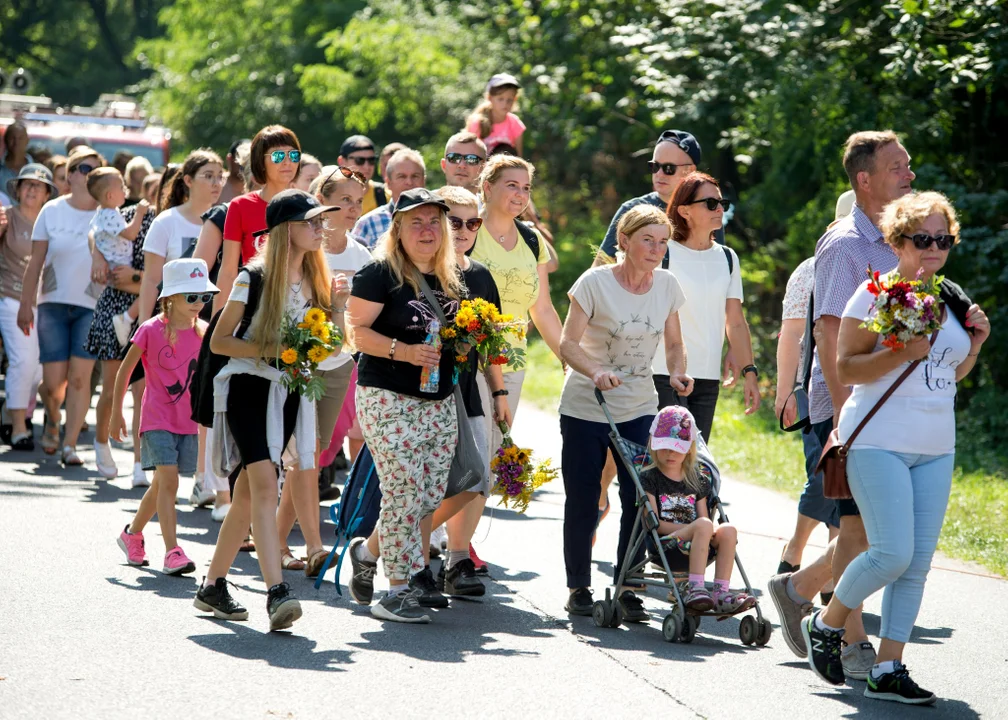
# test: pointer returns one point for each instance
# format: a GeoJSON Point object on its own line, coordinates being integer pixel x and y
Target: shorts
{"type": "Point", "coordinates": [159, 448]}
{"type": "Point", "coordinates": [248, 396]}
{"type": "Point", "coordinates": [812, 503]}
{"type": "Point", "coordinates": [63, 332]}
{"type": "Point", "coordinates": [328, 408]}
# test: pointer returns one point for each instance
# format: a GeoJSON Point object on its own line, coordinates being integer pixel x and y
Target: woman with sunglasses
{"type": "Point", "coordinates": [712, 280]}
{"type": "Point", "coordinates": [66, 302]}
{"type": "Point", "coordinates": [900, 467]}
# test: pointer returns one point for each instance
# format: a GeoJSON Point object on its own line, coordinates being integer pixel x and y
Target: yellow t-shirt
{"type": "Point", "coordinates": [370, 201]}
{"type": "Point", "coordinates": [514, 271]}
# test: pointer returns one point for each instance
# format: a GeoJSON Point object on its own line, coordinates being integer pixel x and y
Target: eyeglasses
{"type": "Point", "coordinates": [922, 241]}
{"type": "Point", "coordinates": [318, 223]}
{"type": "Point", "coordinates": [83, 168]}
{"type": "Point", "coordinates": [667, 168]}
{"type": "Point", "coordinates": [711, 203]}
{"type": "Point", "coordinates": [472, 224]}
{"type": "Point", "coordinates": [362, 161]}
{"type": "Point", "coordinates": [277, 156]}
{"type": "Point", "coordinates": [199, 298]}
{"type": "Point", "coordinates": [211, 178]}
{"type": "Point", "coordinates": [348, 174]}
{"type": "Point", "coordinates": [470, 159]}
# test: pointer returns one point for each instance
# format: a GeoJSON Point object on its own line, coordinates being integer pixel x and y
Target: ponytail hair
{"type": "Point", "coordinates": [480, 121]}
{"type": "Point", "coordinates": [177, 192]}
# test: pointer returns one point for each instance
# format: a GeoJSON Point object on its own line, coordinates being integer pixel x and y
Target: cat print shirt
{"type": "Point", "coordinates": [676, 502]}
{"type": "Point", "coordinates": [170, 369]}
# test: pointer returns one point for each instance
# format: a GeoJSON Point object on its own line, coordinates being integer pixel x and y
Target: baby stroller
{"type": "Point", "coordinates": [681, 624]}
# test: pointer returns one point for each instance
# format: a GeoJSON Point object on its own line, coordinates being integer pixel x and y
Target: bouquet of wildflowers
{"type": "Point", "coordinates": [517, 475]}
{"type": "Point", "coordinates": [479, 324]}
{"type": "Point", "coordinates": [903, 309]}
{"type": "Point", "coordinates": [306, 344]}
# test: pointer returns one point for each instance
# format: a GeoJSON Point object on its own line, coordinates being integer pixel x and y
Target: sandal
{"type": "Point", "coordinates": [315, 562]}
{"type": "Point", "coordinates": [697, 598]}
{"type": "Point", "coordinates": [730, 603]}
{"type": "Point", "coordinates": [70, 457]}
{"type": "Point", "coordinates": [50, 440]}
{"type": "Point", "coordinates": [289, 562]}
{"type": "Point", "coordinates": [24, 441]}
{"type": "Point", "coordinates": [248, 545]}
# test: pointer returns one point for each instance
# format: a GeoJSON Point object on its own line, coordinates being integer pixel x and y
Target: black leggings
{"type": "Point", "coordinates": [248, 396]}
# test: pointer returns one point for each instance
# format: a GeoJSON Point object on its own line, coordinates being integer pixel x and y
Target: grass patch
{"type": "Point", "coordinates": [754, 449]}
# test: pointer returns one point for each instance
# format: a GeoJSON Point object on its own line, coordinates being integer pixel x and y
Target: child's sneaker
{"type": "Point", "coordinates": [282, 606]}
{"type": "Point", "coordinates": [122, 324]}
{"type": "Point", "coordinates": [216, 599]}
{"type": "Point", "coordinates": [140, 478]}
{"type": "Point", "coordinates": [697, 598]}
{"type": "Point", "coordinates": [133, 545]}
{"type": "Point", "coordinates": [176, 562]}
{"type": "Point", "coordinates": [481, 567]}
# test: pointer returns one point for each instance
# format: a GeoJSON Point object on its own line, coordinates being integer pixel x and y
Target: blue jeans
{"type": "Point", "coordinates": [812, 503]}
{"type": "Point", "coordinates": [902, 498]}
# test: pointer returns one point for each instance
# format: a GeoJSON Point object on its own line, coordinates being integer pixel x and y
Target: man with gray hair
{"type": "Point", "coordinates": [405, 171]}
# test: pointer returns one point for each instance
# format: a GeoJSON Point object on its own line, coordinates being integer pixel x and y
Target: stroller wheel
{"type": "Point", "coordinates": [747, 630]}
{"type": "Point", "coordinates": [617, 614]}
{"type": "Point", "coordinates": [672, 628]}
{"type": "Point", "coordinates": [602, 614]}
{"type": "Point", "coordinates": [765, 629]}
{"type": "Point", "coordinates": [689, 628]}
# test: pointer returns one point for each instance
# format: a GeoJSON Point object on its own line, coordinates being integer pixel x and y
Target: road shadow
{"type": "Point", "coordinates": [279, 649]}
{"type": "Point", "coordinates": [922, 635]}
{"type": "Point", "coordinates": [151, 580]}
{"type": "Point", "coordinates": [862, 707]}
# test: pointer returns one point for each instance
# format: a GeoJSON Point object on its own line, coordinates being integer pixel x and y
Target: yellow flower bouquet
{"type": "Point", "coordinates": [517, 476]}
{"type": "Point", "coordinates": [306, 344]}
{"type": "Point", "coordinates": [479, 324]}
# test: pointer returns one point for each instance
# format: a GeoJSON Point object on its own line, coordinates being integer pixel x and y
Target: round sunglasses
{"type": "Point", "coordinates": [472, 224]}
{"type": "Point", "coordinates": [471, 159]}
{"type": "Point", "coordinates": [277, 156]}
{"type": "Point", "coordinates": [922, 241]}
{"type": "Point", "coordinates": [199, 298]}
{"type": "Point", "coordinates": [712, 203]}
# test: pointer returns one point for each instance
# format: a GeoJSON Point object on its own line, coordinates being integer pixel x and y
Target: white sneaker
{"type": "Point", "coordinates": [122, 324]}
{"type": "Point", "coordinates": [140, 478]}
{"type": "Point", "coordinates": [220, 512]}
{"type": "Point", "coordinates": [201, 497]}
{"type": "Point", "coordinates": [439, 538]}
{"type": "Point", "coordinates": [104, 460]}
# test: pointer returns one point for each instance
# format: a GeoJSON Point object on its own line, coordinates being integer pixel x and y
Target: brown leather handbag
{"type": "Point", "coordinates": [833, 461]}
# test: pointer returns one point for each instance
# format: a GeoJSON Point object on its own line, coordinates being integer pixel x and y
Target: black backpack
{"type": "Point", "coordinates": [379, 195]}
{"type": "Point", "coordinates": [209, 363]}
{"type": "Point", "coordinates": [528, 235]}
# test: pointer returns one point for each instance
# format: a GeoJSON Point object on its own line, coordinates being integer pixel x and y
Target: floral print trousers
{"type": "Point", "coordinates": [412, 442]}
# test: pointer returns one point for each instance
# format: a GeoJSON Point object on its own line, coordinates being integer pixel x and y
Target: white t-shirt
{"type": "Point", "coordinates": [171, 235]}
{"type": "Point", "coordinates": [623, 333]}
{"type": "Point", "coordinates": [703, 275]}
{"type": "Point", "coordinates": [106, 225]}
{"type": "Point", "coordinates": [920, 416]}
{"type": "Point", "coordinates": [353, 258]}
{"type": "Point", "coordinates": [298, 298]}
{"type": "Point", "coordinates": [66, 276]}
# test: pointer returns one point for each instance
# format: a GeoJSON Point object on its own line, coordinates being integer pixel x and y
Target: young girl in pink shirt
{"type": "Point", "coordinates": [168, 345]}
{"type": "Point", "coordinates": [492, 120]}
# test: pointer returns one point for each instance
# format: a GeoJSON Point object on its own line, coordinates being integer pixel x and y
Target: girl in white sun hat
{"type": "Point", "coordinates": [168, 345]}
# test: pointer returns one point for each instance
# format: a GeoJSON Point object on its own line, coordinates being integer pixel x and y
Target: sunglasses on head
{"type": "Point", "coordinates": [470, 159]}
{"type": "Point", "coordinates": [711, 203]}
{"type": "Point", "coordinates": [922, 241]}
{"type": "Point", "coordinates": [84, 168]}
{"type": "Point", "coordinates": [667, 168]}
{"type": "Point", "coordinates": [348, 174]}
{"type": "Point", "coordinates": [199, 298]}
{"type": "Point", "coordinates": [277, 156]}
{"type": "Point", "coordinates": [361, 161]}
{"type": "Point", "coordinates": [472, 224]}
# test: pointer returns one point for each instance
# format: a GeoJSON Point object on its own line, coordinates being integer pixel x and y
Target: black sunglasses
{"type": "Point", "coordinates": [201, 298]}
{"type": "Point", "coordinates": [667, 168]}
{"type": "Point", "coordinates": [470, 159]}
{"type": "Point", "coordinates": [348, 174]}
{"type": "Point", "coordinates": [472, 224]}
{"type": "Point", "coordinates": [361, 161]}
{"type": "Point", "coordinates": [84, 168]}
{"type": "Point", "coordinates": [712, 203]}
{"type": "Point", "coordinates": [277, 156]}
{"type": "Point", "coordinates": [922, 241]}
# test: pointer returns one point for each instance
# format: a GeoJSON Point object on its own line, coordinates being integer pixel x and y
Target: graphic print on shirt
{"type": "Point", "coordinates": [424, 314]}
{"type": "Point", "coordinates": [937, 360]}
{"type": "Point", "coordinates": [680, 509]}
{"type": "Point", "coordinates": [514, 283]}
{"type": "Point", "coordinates": [169, 362]}
{"type": "Point", "coordinates": [628, 345]}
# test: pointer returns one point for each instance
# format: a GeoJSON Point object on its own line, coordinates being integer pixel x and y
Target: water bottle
{"type": "Point", "coordinates": [430, 377]}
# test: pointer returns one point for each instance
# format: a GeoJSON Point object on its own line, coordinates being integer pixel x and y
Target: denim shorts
{"type": "Point", "coordinates": [63, 331]}
{"type": "Point", "coordinates": [161, 447]}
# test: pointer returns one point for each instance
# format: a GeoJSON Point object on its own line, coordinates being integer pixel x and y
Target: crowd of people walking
{"type": "Point", "coordinates": [195, 270]}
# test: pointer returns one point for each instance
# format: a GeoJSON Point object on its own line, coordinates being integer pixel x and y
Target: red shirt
{"type": "Point", "coordinates": [246, 214]}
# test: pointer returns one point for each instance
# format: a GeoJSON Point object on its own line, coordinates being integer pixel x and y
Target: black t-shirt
{"type": "Point", "coordinates": [406, 317]}
{"type": "Point", "coordinates": [480, 284]}
{"type": "Point", "coordinates": [216, 215]}
{"type": "Point", "coordinates": [676, 502]}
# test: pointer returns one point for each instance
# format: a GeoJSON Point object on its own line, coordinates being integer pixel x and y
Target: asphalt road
{"type": "Point", "coordinates": [83, 635]}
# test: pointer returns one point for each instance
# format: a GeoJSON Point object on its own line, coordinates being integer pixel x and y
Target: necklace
{"type": "Point", "coordinates": [296, 287]}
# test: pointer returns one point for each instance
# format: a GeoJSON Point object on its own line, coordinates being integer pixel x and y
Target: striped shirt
{"type": "Point", "coordinates": [842, 257]}
{"type": "Point", "coordinates": [371, 226]}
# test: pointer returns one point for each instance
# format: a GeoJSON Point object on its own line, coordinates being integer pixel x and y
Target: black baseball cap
{"type": "Point", "coordinates": [685, 141]}
{"type": "Point", "coordinates": [502, 80]}
{"type": "Point", "coordinates": [293, 206]}
{"type": "Point", "coordinates": [417, 197]}
{"type": "Point", "coordinates": [355, 143]}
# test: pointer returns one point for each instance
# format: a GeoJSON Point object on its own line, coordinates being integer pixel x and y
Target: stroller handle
{"type": "Point", "coordinates": [600, 397]}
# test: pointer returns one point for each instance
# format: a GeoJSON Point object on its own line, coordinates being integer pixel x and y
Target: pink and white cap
{"type": "Point", "coordinates": [673, 429]}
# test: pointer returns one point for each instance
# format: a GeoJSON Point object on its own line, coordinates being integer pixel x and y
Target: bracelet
{"type": "Point", "coordinates": [499, 393]}
{"type": "Point", "coordinates": [337, 311]}
{"type": "Point", "coordinates": [391, 350]}
{"type": "Point", "coordinates": [750, 368]}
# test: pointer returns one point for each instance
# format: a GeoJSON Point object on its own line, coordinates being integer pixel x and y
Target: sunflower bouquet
{"type": "Point", "coordinates": [903, 309]}
{"type": "Point", "coordinates": [306, 344]}
{"type": "Point", "coordinates": [479, 324]}
{"type": "Point", "coordinates": [517, 476]}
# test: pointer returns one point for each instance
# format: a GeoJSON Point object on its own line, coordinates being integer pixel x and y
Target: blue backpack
{"type": "Point", "coordinates": [356, 514]}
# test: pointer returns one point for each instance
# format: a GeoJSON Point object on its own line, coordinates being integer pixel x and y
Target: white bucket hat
{"type": "Point", "coordinates": [186, 276]}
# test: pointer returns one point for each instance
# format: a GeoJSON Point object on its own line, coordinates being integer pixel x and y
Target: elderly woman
{"type": "Point", "coordinates": [618, 316]}
{"type": "Point", "coordinates": [66, 303]}
{"type": "Point", "coordinates": [900, 467]}
{"type": "Point", "coordinates": [31, 189]}
{"type": "Point", "coordinates": [410, 427]}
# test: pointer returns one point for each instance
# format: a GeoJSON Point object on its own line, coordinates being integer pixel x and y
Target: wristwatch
{"type": "Point", "coordinates": [751, 368]}
{"type": "Point", "coordinates": [499, 393]}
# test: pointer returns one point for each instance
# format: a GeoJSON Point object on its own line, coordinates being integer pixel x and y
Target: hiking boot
{"type": "Point", "coordinates": [362, 580]}
{"type": "Point", "coordinates": [791, 613]}
{"type": "Point", "coordinates": [633, 608]}
{"type": "Point", "coordinates": [176, 562]}
{"type": "Point", "coordinates": [823, 650]}
{"type": "Point", "coordinates": [481, 567]}
{"type": "Point", "coordinates": [216, 599]}
{"type": "Point", "coordinates": [898, 686]}
{"type": "Point", "coordinates": [580, 602]}
{"type": "Point", "coordinates": [282, 606]}
{"type": "Point", "coordinates": [460, 580]}
{"type": "Point", "coordinates": [404, 608]}
{"type": "Point", "coordinates": [133, 545]}
{"type": "Point", "coordinates": [429, 596]}
{"type": "Point", "coordinates": [858, 660]}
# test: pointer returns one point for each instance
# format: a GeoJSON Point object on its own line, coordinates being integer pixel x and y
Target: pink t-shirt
{"type": "Point", "coordinates": [506, 132]}
{"type": "Point", "coordinates": [170, 371]}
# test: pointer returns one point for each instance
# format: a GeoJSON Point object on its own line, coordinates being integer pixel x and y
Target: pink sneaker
{"type": "Point", "coordinates": [176, 562]}
{"type": "Point", "coordinates": [133, 545]}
